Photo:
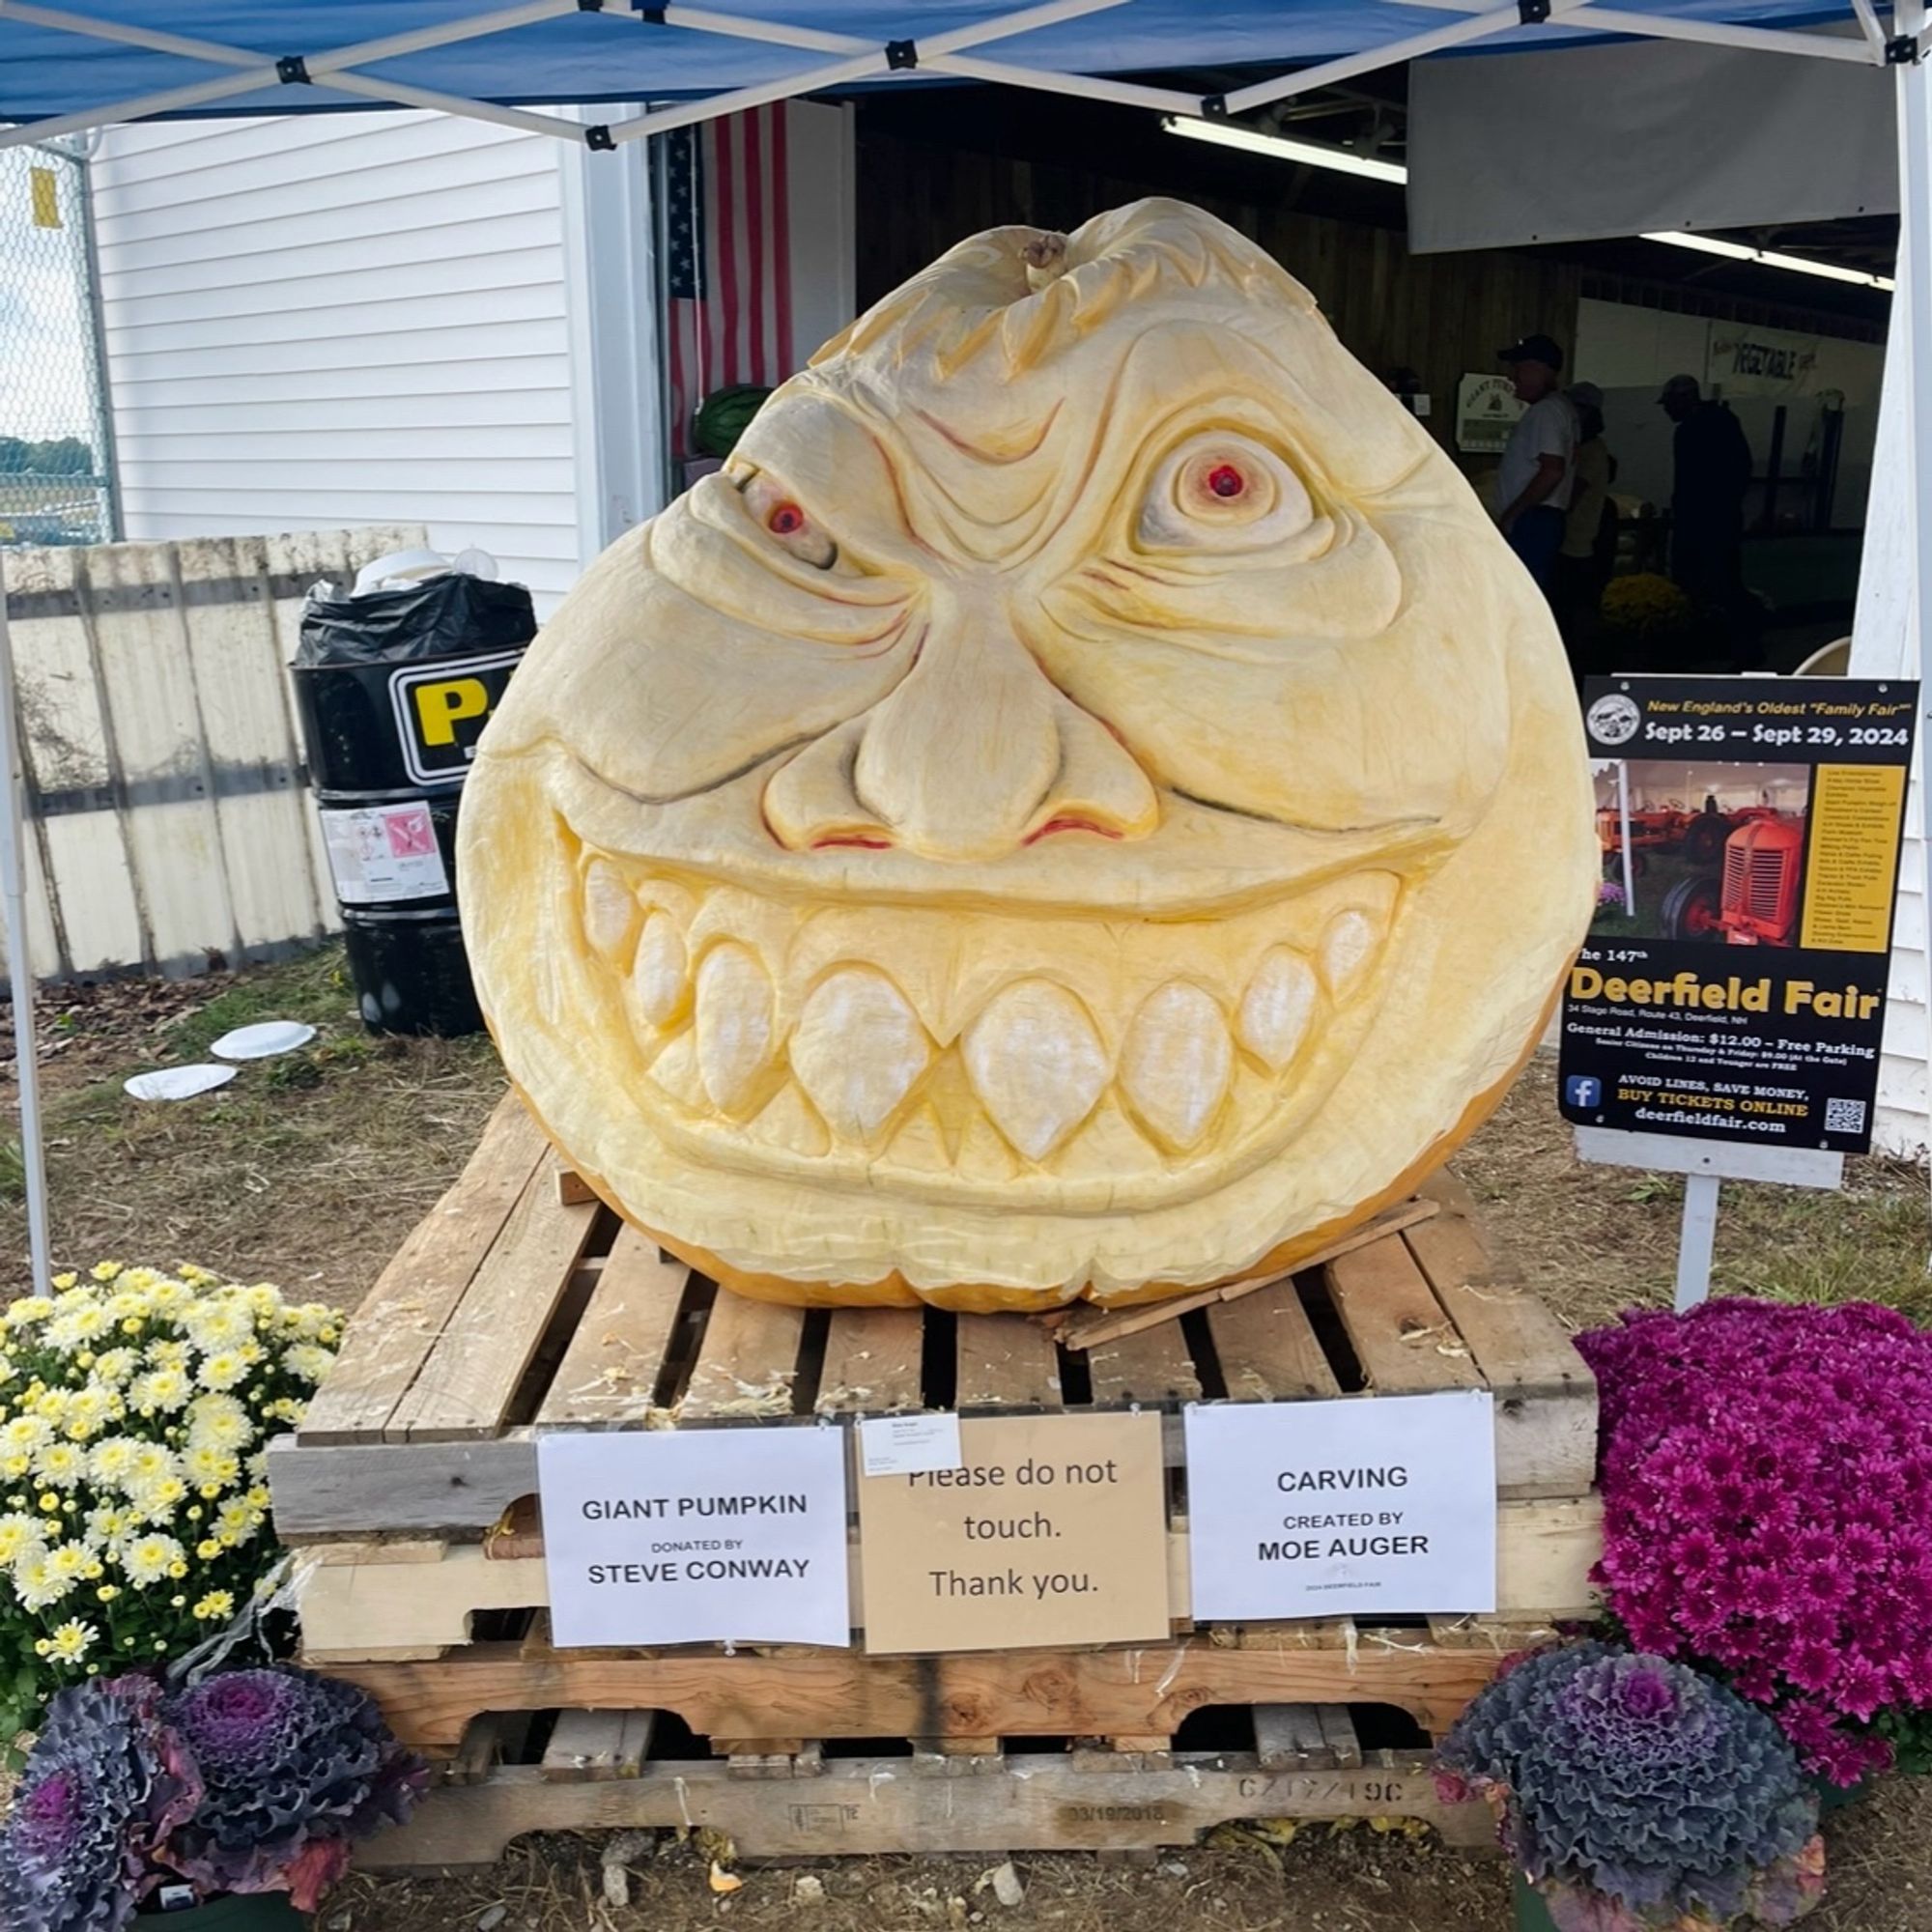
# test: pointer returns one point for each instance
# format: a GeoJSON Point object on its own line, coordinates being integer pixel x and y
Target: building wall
{"type": "Point", "coordinates": [342, 321]}
{"type": "Point", "coordinates": [1443, 316]}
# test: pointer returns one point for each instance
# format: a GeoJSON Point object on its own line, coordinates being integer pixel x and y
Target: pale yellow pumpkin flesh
{"type": "Point", "coordinates": [1084, 803]}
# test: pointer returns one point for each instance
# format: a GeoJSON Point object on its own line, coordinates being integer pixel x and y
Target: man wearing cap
{"type": "Point", "coordinates": [1713, 466]}
{"type": "Point", "coordinates": [1534, 483]}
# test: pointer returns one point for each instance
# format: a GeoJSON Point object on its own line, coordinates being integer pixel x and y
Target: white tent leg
{"type": "Point", "coordinates": [19, 966]}
{"type": "Point", "coordinates": [1914, 277]}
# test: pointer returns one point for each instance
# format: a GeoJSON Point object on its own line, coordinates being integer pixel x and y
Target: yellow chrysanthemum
{"type": "Point", "coordinates": [148, 1558]}
{"type": "Point", "coordinates": [115, 1366]}
{"type": "Point", "coordinates": [25, 1435]}
{"type": "Point", "coordinates": [208, 1548]}
{"type": "Point", "coordinates": [206, 1466]}
{"type": "Point", "coordinates": [105, 1270]}
{"type": "Point", "coordinates": [71, 1640]}
{"type": "Point", "coordinates": [168, 1355]}
{"type": "Point", "coordinates": [19, 1534]}
{"type": "Point", "coordinates": [157, 1500]}
{"type": "Point", "coordinates": [222, 1370]}
{"type": "Point", "coordinates": [70, 1561]}
{"type": "Point", "coordinates": [163, 1390]}
{"type": "Point", "coordinates": [61, 1464]}
{"type": "Point", "coordinates": [215, 1604]}
{"type": "Point", "coordinates": [30, 1309]}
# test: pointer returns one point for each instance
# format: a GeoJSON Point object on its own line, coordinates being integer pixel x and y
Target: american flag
{"type": "Point", "coordinates": [727, 254]}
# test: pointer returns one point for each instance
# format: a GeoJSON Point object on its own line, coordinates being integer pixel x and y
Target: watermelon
{"type": "Point", "coordinates": [723, 416]}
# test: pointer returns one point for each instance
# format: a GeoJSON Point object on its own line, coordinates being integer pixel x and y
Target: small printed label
{"type": "Point", "coordinates": [909, 1445]}
{"type": "Point", "coordinates": [380, 854]}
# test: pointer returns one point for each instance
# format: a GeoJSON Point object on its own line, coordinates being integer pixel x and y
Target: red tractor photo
{"type": "Point", "coordinates": [1698, 836]}
{"type": "Point", "coordinates": [1753, 901]}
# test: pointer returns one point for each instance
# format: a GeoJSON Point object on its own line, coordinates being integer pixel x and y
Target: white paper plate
{"type": "Point", "coordinates": [178, 1083]}
{"type": "Point", "coordinates": [262, 1040]}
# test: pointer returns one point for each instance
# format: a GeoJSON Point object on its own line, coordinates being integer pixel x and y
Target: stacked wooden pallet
{"type": "Point", "coordinates": [521, 1305]}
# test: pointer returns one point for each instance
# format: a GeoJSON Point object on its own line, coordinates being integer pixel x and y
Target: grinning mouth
{"type": "Point", "coordinates": [1080, 1059]}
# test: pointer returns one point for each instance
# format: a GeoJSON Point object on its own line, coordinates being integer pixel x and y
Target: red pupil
{"type": "Point", "coordinates": [787, 519]}
{"type": "Point", "coordinates": [1225, 480]}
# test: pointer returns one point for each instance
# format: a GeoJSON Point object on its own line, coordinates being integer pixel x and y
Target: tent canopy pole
{"type": "Point", "coordinates": [19, 966]}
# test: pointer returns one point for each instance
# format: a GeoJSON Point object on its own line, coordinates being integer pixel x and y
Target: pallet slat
{"type": "Point", "coordinates": [478, 1364]}
{"type": "Point", "coordinates": [1124, 1691]}
{"type": "Point", "coordinates": [617, 1353]}
{"type": "Point", "coordinates": [1151, 1366]}
{"type": "Point", "coordinates": [586, 1747]}
{"type": "Point", "coordinates": [1268, 1348]}
{"type": "Point", "coordinates": [390, 1336]}
{"type": "Point", "coordinates": [1544, 1551]}
{"type": "Point", "coordinates": [872, 1361]}
{"type": "Point", "coordinates": [1004, 1364]}
{"type": "Point", "coordinates": [1399, 1332]}
{"type": "Point", "coordinates": [1024, 1802]}
{"type": "Point", "coordinates": [746, 1363]}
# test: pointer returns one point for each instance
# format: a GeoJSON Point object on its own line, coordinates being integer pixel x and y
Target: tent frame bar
{"type": "Point", "coordinates": [860, 60]}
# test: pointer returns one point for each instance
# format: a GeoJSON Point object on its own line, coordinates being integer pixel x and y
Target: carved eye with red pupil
{"type": "Point", "coordinates": [785, 520]}
{"type": "Point", "coordinates": [1225, 480]}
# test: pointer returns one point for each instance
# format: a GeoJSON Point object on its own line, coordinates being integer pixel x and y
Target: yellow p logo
{"type": "Point", "coordinates": [441, 708]}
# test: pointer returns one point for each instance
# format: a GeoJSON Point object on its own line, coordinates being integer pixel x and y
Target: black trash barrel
{"type": "Point", "coordinates": [394, 689]}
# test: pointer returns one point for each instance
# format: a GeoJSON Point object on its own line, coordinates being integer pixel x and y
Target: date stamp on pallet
{"type": "Point", "coordinates": [521, 1306]}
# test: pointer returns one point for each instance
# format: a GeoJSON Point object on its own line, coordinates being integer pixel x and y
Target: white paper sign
{"type": "Point", "coordinates": [664, 1536]}
{"type": "Point", "coordinates": [1384, 1504]}
{"type": "Point", "coordinates": [909, 1445]}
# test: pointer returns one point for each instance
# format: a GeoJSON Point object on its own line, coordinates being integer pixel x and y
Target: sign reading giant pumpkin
{"type": "Point", "coordinates": [1083, 804]}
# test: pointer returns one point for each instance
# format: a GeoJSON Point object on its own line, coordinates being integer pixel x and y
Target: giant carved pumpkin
{"type": "Point", "coordinates": [1084, 804]}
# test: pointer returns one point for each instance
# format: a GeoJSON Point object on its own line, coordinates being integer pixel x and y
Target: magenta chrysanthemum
{"type": "Point", "coordinates": [1766, 1472]}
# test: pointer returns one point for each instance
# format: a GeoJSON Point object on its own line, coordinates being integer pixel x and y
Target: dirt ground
{"type": "Point", "coordinates": [309, 1170]}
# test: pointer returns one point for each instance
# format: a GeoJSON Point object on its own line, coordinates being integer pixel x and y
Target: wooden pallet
{"type": "Point", "coordinates": [587, 1770]}
{"type": "Point", "coordinates": [522, 1305]}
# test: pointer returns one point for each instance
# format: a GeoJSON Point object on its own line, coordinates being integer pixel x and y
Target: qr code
{"type": "Point", "coordinates": [1844, 1117]}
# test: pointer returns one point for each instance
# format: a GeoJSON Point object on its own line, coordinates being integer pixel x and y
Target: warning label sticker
{"type": "Point", "coordinates": [383, 854]}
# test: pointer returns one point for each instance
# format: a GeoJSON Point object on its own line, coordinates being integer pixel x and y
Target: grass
{"type": "Point", "coordinates": [306, 1169]}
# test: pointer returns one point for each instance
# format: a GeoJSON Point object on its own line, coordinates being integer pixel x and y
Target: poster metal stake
{"type": "Point", "coordinates": [1697, 1238]}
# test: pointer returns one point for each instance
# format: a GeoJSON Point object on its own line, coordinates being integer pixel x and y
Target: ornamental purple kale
{"type": "Point", "coordinates": [1766, 1477]}
{"type": "Point", "coordinates": [104, 1786]}
{"type": "Point", "coordinates": [295, 1767]}
{"type": "Point", "coordinates": [1635, 1793]}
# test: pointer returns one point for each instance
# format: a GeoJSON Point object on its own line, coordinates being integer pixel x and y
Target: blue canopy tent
{"type": "Point", "coordinates": [98, 62]}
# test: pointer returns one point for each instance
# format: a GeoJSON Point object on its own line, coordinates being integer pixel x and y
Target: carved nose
{"type": "Point", "coordinates": [972, 754]}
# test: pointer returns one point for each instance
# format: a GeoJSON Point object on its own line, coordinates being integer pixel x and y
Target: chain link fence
{"type": "Point", "coordinates": [56, 456]}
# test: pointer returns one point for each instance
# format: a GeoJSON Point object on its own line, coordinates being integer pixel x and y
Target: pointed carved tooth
{"type": "Point", "coordinates": [658, 973]}
{"type": "Point", "coordinates": [791, 1126]}
{"type": "Point", "coordinates": [984, 1156]}
{"type": "Point", "coordinates": [1277, 1008]}
{"type": "Point", "coordinates": [1347, 948]}
{"type": "Point", "coordinates": [917, 1147]}
{"type": "Point", "coordinates": [734, 1024]}
{"type": "Point", "coordinates": [858, 1048]}
{"type": "Point", "coordinates": [1107, 1149]}
{"type": "Point", "coordinates": [675, 1070]}
{"type": "Point", "coordinates": [1036, 1063]}
{"type": "Point", "coordinates": [610, 910]}
{"type": "Point", "coordinates": [1175, 1061]}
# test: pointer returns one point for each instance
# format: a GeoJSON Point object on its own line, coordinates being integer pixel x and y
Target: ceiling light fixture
{"type": "Point", "coordinates": [1339, 161]}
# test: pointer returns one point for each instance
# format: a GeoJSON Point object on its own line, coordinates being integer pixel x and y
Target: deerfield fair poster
{"type": "Point", "coordinates": [1733, 984]}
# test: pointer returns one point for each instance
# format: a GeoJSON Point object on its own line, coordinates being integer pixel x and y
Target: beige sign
{"type": "Point", "coordinates": [1053, 1530]}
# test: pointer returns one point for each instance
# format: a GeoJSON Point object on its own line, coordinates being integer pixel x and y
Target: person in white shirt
{"type": "Point", "coordinates": [1538, 470]}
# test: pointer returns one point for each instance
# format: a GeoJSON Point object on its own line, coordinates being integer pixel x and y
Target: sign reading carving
{"type": "Point", "coordinates": [1322, 1508]}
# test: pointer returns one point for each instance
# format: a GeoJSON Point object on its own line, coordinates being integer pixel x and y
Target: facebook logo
{"type": "Point", "coordinates": [1583, 1090]}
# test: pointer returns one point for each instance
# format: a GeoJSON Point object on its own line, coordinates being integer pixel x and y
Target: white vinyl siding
{"type": "Point", "coordinates": [342, 321]}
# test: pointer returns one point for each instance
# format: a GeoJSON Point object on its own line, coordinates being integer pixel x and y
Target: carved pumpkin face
{"type": "Point", "coordinates": [1081, 804]}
